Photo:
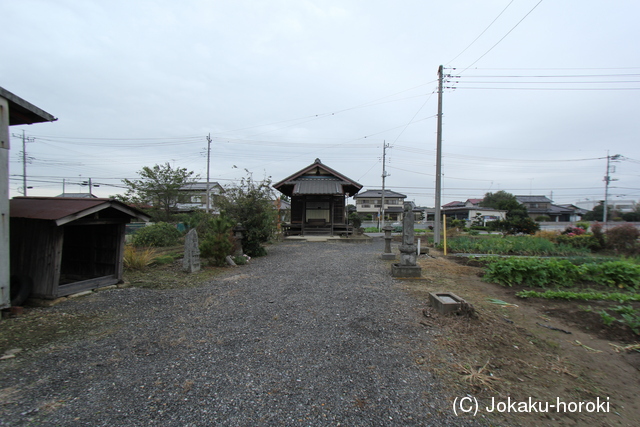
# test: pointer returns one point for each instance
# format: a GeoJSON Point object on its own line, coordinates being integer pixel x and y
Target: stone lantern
{"type": "Point", "coordinates": [387, 254]}
{"type": "Point", "coordinates": [238, 234]}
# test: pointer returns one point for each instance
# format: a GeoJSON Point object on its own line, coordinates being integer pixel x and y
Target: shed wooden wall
{"type": "Point", "coordinates": [68, 259]}
{"type": "Point", "coordinates": [36, 251]}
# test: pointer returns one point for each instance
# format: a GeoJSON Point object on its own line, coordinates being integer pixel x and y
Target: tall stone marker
{"type": "Point", "coordinates": [407, 266]}
{"type": "Point", "coordinates": [191, 260]}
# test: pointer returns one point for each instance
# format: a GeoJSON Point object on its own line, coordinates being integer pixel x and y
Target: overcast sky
{"type": "Point", "coordinates": [540, 92]}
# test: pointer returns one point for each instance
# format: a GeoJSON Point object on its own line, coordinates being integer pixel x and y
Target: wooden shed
{"type": "Point", "coordinates": [61, 246]}
{"type": "Point", "coordinates": [318, 200]}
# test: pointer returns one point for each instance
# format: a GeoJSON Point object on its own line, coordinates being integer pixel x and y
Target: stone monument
{"type": "Point", "coordinates": [191, 260]}
{"type": "Point", "coordinates": [407, 266]}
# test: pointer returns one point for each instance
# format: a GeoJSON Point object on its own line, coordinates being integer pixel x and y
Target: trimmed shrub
{"type": "Point", "coordinates": [623, 238]}
{"type": "Point", "coordinates": [158, 235]}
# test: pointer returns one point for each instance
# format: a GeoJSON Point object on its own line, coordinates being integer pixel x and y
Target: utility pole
{"type": "Point", "coordinates": [24, 160]}
{"type": "Point", "coordinates": [208, 163]}
{"type": "Point", "coordinates": [91, 185]}
{"type": "Point", "coordinates": [437, 227]}
{"type": "Point", "coordinates": [384, 175]}
{"type": "Point", "coordinates": [607, 179]}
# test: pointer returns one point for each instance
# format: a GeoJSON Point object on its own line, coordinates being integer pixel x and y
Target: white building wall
{"type": "Point", "coordinates": [5, 297]}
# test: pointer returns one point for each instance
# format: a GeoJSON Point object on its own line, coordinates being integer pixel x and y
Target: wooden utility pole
{"type": "Point", "coordinates": [437, 227]}
{"type": "Point", "coordinates": [208, 163]}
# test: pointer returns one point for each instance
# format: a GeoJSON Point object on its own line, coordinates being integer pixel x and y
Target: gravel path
{"type": "Point", "coordinates": [315, 334]}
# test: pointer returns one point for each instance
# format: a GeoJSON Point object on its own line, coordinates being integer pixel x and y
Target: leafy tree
{"type": "Point", "coordinates": [632, 216]}
{"type": "Point", "coordinates": [597, 214]}
{"type": "Point", "coordinates": [515, 226]}
{"type": "Point", "coordinates": [159, 186]}
{"type": "Point", "coordinates": [517, 219]}
{"type": "Point", "coordinates": [251, 204]}
{"type": "Point", "coordinates": [504, 201]}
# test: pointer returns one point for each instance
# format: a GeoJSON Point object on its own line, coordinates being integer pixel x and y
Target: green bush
{"type": "Point", "coordinates": [158, 235]}
{"type": "Point", "coordinates": [355, 220]}
{"type": "Point", "coordinates": [623, 238]}
{"type": "Point", "coordinates": [217, 242]}
{"type": "Point", "coordinates": [587, 241]}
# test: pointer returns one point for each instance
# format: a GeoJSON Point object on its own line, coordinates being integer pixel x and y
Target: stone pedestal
{"type": "Point", "coordinates": [387, 254]}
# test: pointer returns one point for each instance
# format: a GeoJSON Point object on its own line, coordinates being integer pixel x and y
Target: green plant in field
{"type": "Point", "coordinates": [542, 272]}
{"type": "Point", "coordinates": [372, 230]}
{"type": "Point", "coordinates": [632, 320]}
{"type": "Point", "coordinates": [630, 317]}
{"type": "Point", "coordinates": [607, 319]}
{"type": "Point", "coordinates": [612, 273]}
{"type": "Point", "coordinates": [158, 235]}
{"type": "Point", "coordinates": [138, 258]}
{"type": "Point", "coordinates": [531, 271]}
{"type": "Point", "coordinates": [584, 296]}
{"type": "Point", "coordinates": [624, 309]}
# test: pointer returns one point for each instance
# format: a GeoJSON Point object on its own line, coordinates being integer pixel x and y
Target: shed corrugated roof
{"type": "Point", "coordinates": [65, 209]}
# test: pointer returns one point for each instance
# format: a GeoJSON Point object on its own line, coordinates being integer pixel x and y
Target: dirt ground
{"type": "Point", "coordinates": [503, 353]}
{"type": "Point", "coordinates": [506, 353]}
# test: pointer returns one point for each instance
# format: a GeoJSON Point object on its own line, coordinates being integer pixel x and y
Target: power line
{"type": "Point", "coordinates": [503, 37]}
{"type": "Point", "coordinates": [485, 30]}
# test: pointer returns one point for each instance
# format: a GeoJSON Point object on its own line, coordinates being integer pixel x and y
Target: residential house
{"type": "Point", "coordinates": [194, 197]}
{"type": "Point", "coordinates": [13, 111]}
{"type": "Point", "coordinates": [471, 210]}
{"type": "Point", "coordinates": [540, 206]}
{"type": "Point", "coordinates": [318, 195]}
{"type": "Point", "coordinates": [574, 215]}
{"type": "Point", "coordinates": [370, 203]}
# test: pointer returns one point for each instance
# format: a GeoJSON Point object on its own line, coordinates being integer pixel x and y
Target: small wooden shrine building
{"type": "Point", "coordinates": [318, 196]}
{"type": "Point", "coordinates": [61, 246]}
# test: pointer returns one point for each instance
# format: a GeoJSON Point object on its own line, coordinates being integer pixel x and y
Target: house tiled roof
{"type": "Point", "coordinates": [453, 204]}
{"type": "Point", "coordinates": [533, 199]}
{"type": "Point", "coordinates": [374, 194]}
{"type": "Point", "coordinates": [319, 185]}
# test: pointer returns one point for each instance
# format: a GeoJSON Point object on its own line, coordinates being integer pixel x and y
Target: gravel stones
{"type": "Point", "coordinates": [313, 334]}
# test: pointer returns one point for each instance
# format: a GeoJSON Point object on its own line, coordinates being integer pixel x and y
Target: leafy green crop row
{"type": "Point", "coordinates": [581, 296]}
{"type": "Point", "coordinates": [513, 245]}
{"type": "Point", "coordinates": [543, 272]}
